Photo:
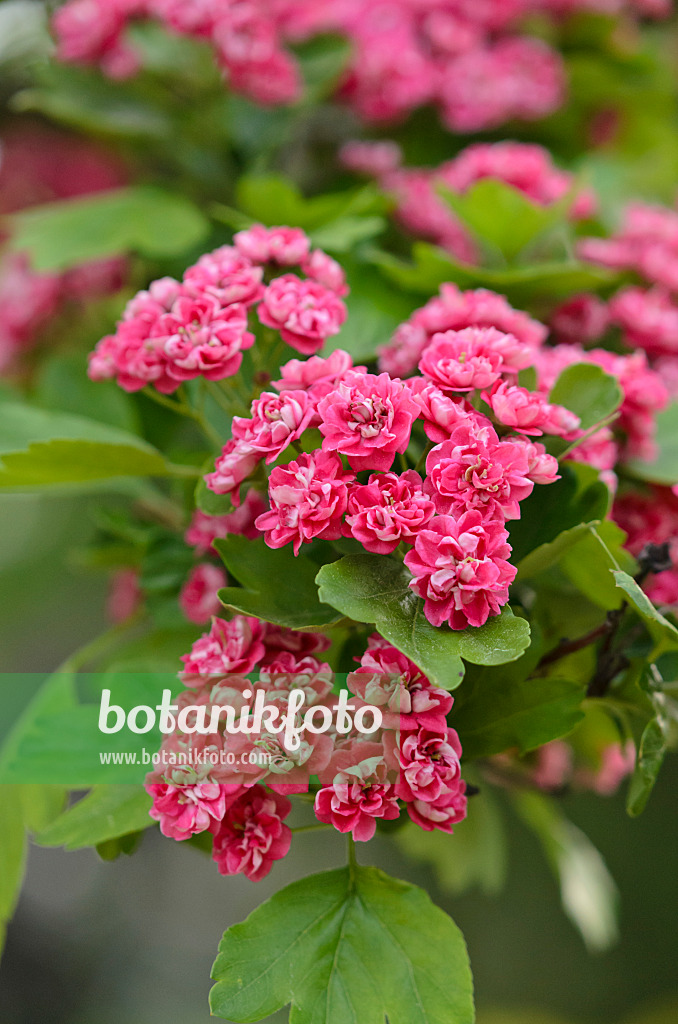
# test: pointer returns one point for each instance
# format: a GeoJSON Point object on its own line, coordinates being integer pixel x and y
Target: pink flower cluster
{"type": "Point", "coordinates": [242, 797]}
{"type": "Point", "coordinates": [527, 168]}
{"type": "Point", "coordinates": [245, 39]}
{"type": "Point", "coordinates": [199, 327]}
{"type": "Point", "coordinates": [450, 525]}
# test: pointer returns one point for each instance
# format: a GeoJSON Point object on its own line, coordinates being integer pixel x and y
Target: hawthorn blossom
{"type": "Point", "coordinates": [368, 418]}
{"type": "Point", "coordinates": [472, 358]}
{"type": "Point", "coordinates": [252, 835]}
{"type": "Point", "coordinates": [475, 470]}
{"type": "Point", "coordinates": [448, 810]}
{"type": "Point", "coordinates": [184, 811]}
{"type": "Point", "coordinates": [359, 791]}
{"type": "Point", "coordinates": [236, 462]}
{"type": "Point", "coordinates": [461, 569]}
{"type": "Point", "coordinates": [227, 647]}
{"type": "Point", "coordinates": [387, 509]}
{"type": "Point", "coordinates": [427, 761]}
{"type": "Point", "coordinates": [204, 529]}
{"type": "Point", "coordinates": [308, 498]}
{"type": "Point", "coordinates": [528, 411]}
{"type": "Point", "coordinates": [225, 275]}
{"type": "Point", "coordinates": [306, 313]}
{"type": "Point", "coordinates": [275, 422]}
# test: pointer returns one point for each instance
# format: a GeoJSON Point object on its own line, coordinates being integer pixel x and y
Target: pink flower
{"type": "Point", "coordinates": [124, 595]}
{"type": "Point", "coordinates": [387, 509]}
{"type": "Point", "coordinates": [226, 276]}
{"type": "Point", "coordinates": [198, 598]}
{"type": "Point", "coordinates": [448, 810]}
{"type": "Point", "coordinates": [472, 358]}
{"type": "Point", "coordinates": [278, 639]}
{"type": "Point", "coordinates": [460, 569]}
{"type": "Point", "coordinates": [276, 421]}
{"type": "Point", "coordinates": [184, 811]}
{"type": "Point", "coordinates": [368, 419]}
{"type": "Point", "coordinates": [236, 462]}
{"type": "Point", "coordinates": [427, 761]}
{"type": "Point", "coordinates": [529, 411]}
{"type": "Point", "coordinates": [306, 313]}
{"type": "Point", "coordinates": [542, 468]}
{"type": "Point", "coordinates": [326, 271]}
{"type": "Point", "coordinates": [205, 529]}
{"type": "Point", "coordinates": [316, 375]}
{"type": "Point", "coordinates": [288, 670]}
{"type": "Point", "coordinates": [389, 680]}
{"type": "Point", "coordinates": [308, 498]}
{"type": "Point", "coordinates": [228, 647]}
{"type": "Point", "coordinates": [202, 338]}
{"type": "Point", "coordinates": [371, 158]}
{"type": "Point", "coordinates": [359, 793]}
{"type": "Point", "coordinates": [441, 413]}
{"type": "Point", "coordinates": [554, 765]}
{"type": "Point", "coordinates": [252, 835]}
{"type": "Point", "coordinates": [286, 246]}
{"type": "Point", "coordinates": [454, 310]}
{"type": "Point", "coordinates": [474, 470]}
{"type": "Point", "coordinates": [583, 318]}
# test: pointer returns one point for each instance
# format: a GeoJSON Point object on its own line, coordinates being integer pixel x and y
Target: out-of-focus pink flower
{"type": "Point", "coordinates": [285, 246]}
{"type": "Point", "coordinates": [252, 835]}
{"type": "Point", "coordinates": [371, 158]}
{"type": "Point", "coordinates": [387, 509]}
{"type": "Point", "coordinates": [583, 318]}
{"type": "Point", "coordinates": [308, 498]}
{"type": "Point", "coordinates": [205, 529]}
{"type": "Point", "coordinates": [306, 313]}
{"type": "Point", "coordinates": [368, 418]}
{"type": "Point", "coordinates": [124, 595]}
{"type": "Point", "coordinates": [198, 598]}
{"type": "Point", "coordinates": [326, 271]}
{"type": "Point", "coordinates": [461, 569]}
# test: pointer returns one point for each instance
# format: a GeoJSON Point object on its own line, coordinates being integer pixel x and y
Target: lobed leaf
{"type": "Point", "coordinates": [345, 946]}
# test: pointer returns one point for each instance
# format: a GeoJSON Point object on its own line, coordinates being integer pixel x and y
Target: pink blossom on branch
{"type": "Point", "coordinates": [461, 569]}
{"type": "Point", "coordinates": [308, 499]}
{"type": "Point", "coordinates": [368, 419]}
{"type": "Point", "coordinates": [386, 510]}
{"type": "Point", "coordinates": [306, 313]}
{"type": "Point", "coordinates": [252, 834]}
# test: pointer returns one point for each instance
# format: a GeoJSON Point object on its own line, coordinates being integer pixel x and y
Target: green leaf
{"type": "Point", "coordinates": [664, 632]}
{"type": "Point", "coordinates": [141, 218]}
{"type": "Point", "coordinates": [503, 216]}
{"type": "Point", "coordinates": [588, 892]}
{"type": "Point", "coordinates": [664, 469]}
{"type": "Point", "coordinates": [500, 712]}
{"type": "Point", "coordinates": [587, 391]}
{"type": "Point", "coordinates": [649, 759]}
{"type": "Point", "coordinates": [105, 813]}
{"type": "Point", "coordinates": [276, 586]}
{"type": "Point", "coordinates": [322, 60]}
{"type": "Point", "coordinates": [345, 233]}
{"type": "Point", "coordinates": [341, 947]}
{"type": "Point", "coordinates": [553, 508]}
{"type": "Point", "coordinates": [273, 199]}
{"type": "Point", "coordinates": [523, 286]}
{"type": "Point", "coordinates": [51, 449]}
{"type": "Point", "coordinates": [588, 563]}
{"type": "Point", "coordinates": [374, 588]}
{"type": "Point", "coordinates": [549, 554]}
{"type": "Point", "coordinates": [63, 385]}
{"type": "Point", "coordinates": [12, 853]}
{"type": "Point", "coordinates": [475, 856]}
